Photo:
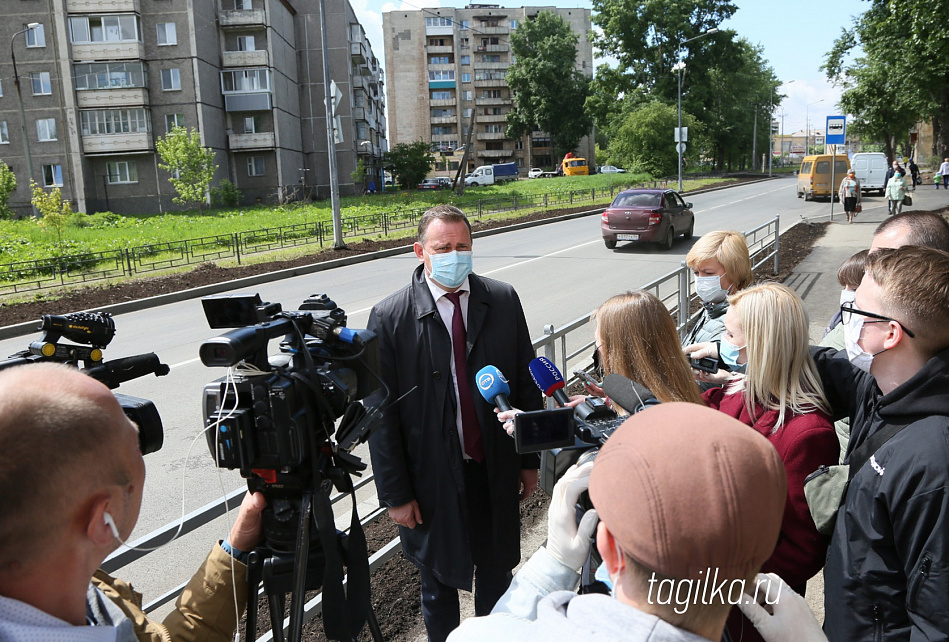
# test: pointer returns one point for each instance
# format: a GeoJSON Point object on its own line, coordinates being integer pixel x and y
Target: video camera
{"type": "Point", "coordinates": [96, 330]}
{"type": "Point", "coordinates": [274, 420]}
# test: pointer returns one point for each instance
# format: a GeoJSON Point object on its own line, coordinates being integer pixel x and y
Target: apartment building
{"type": "Point", "coordinates": [101, 80]}
{"type": "Point", "coordinates": [445, 65]}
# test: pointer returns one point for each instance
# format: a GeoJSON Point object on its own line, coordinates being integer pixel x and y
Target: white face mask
{"type": "Point", "coordinates": [857, 355]}
{"type": "Point", "coordinates": [847, 296]}
{"type": "Point", "coordinates": [709, 289]}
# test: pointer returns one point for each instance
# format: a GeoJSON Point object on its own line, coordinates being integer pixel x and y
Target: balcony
{"type": "Point", "coordinates": [442, 103]}
{"type": "Point", "coordinates": [108, 51]}
{"type": "Point", "coordinates": [492, 48]}
{"type": "Point", "coordinates": [448, 66]}
{"type": "Point", "coordinates": [440, 30]}
{"type": "Point", "coordinates": [491, 118]}
{"type": "Point", "coordinates": [117, 143]}
{"type": "Point", "coordinates": [245, 58]}
{"type": "Point", "coordinates": [107, 98]}
{"type": "Point", "coordinates": [443, 120]}
{"type": "Point", "coordinates": [230, 18]}
{"type": "Point", "coordinates": [251, 142]}
{"type": "Point", "coordinates": [357, 50]}
{"type": "Point", "coordinates": [492, 65]}
{"type": "Point", "coordinates": [493, 31]}
{"type": "Point", "coordinates": [492, 101]}
{"type": "Point", "coordinates": [258, 101]}
{"type": "Point", "coordinates": [490, 83]}
{"type": "Point", "coordinates": [444, 138]}
{"type": "Point", "coordinates": [103, 6]}
{"type": "Point", "coordinates": [360, 113]}
{"type": "Point", "coordinates": [495, 153]}
{"type": "Point", "coordinates": [491, 136]}
{"type": "Point", "coordinates": [439, 50]}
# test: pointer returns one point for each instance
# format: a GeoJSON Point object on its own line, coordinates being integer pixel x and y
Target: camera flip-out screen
{"type": "Point", "coordinates": [544, 429]}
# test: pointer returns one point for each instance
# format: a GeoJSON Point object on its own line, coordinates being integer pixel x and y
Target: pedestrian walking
{"type": "Point", "coordinates": [944, 171]}
{"type": "Point", "coordinates": [895, 193]}
{"type": "Point", "coordinates": [914, 172]}
{"type": "Point", "coordinates": [849, 194]}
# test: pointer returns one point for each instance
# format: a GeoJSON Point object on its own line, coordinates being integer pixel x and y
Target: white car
{"type": "Point", "coordinates": [611, 169]}
{"type": "Point", "coordinates": [535, 172]}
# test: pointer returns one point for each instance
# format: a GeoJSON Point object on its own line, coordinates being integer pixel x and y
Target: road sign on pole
{"type": "Point", "coordinates": [836, 133]}
{"type": "Point", "coordinates": [684, 137]}
{"type": "Point", "coordinates": [680, 148]}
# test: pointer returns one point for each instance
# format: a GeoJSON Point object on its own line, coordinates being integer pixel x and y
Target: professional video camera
{"type": "Point", "coordinates": [273, 419]}
{"type": "Point", "coordinates": [96, 330]}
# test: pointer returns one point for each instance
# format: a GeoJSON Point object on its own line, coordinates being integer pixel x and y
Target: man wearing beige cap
{"type": "Point", "coordinates": [690, 504]}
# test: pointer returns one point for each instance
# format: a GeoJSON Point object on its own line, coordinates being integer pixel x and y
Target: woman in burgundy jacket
{"type": "Point", "coordinates": [778, 393]}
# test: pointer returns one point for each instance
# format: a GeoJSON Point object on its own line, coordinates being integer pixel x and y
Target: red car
{"type": "Point", "coordinates": [647, 215]}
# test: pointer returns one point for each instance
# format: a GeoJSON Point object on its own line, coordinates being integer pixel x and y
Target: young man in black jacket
{"type": "Point", "coordinates": [887, 575]}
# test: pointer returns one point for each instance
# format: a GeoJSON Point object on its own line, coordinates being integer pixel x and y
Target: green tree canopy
{"type": "Point", "coordinates": [642, 140]}
{"type": "Point", "coordinates": [549, 92]}
{"type": "Point", "coordinates": [410, 162]}
{"type": "Point", "coordinates": [191, 165]}
{"type": "Point", "coordinates": [7, 185]}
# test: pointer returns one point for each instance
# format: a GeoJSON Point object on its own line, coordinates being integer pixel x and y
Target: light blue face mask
{"type": "Point", "coordinates": [728, 351]}
{"type": "Point", "coordinates": [450, 269]}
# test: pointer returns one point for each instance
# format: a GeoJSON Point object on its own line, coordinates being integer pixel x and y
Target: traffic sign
{"type": "Point", "coordinates": [680, 147]}
{"type": "Point", "coordinates": [836, 133]}
{"type": "Point", "coordinates": [685, 135]}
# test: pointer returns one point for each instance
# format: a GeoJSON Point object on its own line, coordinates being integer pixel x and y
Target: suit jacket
{"type": "Point", "coordinates": [415, 451]}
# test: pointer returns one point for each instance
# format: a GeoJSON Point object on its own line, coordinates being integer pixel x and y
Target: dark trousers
{"type": "Point", "coordinates": [440, 608]}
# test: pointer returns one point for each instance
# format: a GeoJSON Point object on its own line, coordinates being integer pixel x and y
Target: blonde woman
{"type": "Point", "coordinates": [779, 394]}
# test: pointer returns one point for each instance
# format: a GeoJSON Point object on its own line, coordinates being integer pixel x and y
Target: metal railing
{"type": "Point", "coordinates": [674, 289]}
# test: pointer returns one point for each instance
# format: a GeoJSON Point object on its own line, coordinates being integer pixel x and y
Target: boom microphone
{"type": "Point", "coordinates": [494, 387]}
{"type": "Point", "coordinates": [549, 380]}
{"type": "Point", "coordinates": [628, 395]}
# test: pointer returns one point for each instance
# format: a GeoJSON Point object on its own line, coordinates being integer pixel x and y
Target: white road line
{"type": "Point", "coordinates": [185, 363]}
{"type": "Point", "coordinates": [747, 198]}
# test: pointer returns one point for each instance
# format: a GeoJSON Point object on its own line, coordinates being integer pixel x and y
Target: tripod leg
{"type": "Point", "coordinates": [277, 604]}
{"type": "Point", "coordinates": [299, 572]}
{"type": "Point", "coordinates": [374, 625]}
{"type": "Point", "coordinates": [254, 570]}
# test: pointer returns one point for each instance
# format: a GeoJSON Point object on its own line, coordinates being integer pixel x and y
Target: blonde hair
{"type": "Point", "coordinates": [640, 342]}
{"type": "Point", "coordinates": [780, 374]}
{"type": "Point", "coordinates": [728, 248]}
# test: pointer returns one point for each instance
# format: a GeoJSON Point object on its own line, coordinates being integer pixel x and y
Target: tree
{"type": "Point", "coordinates": [7, 185]}
{"type": "Point", "coordinates": [191, 165]}
{"type": "Point", "coordinates": [410, 162]}
{"type": "Point", "coordinates": [902, 76]}
{"type": "Point", "coordinates": [359, 174]}
{"type": "Point", "coordinates": [54, 210]}
{"type": "Point", "coordinates": [548, 91]}
{"type": "Point", "coordinates": [642, 142]}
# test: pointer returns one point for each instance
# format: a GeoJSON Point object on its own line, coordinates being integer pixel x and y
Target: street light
{"type": "Point", "coordinates": [807, 127]}
{"type": "Point", "coordinates": [679, 67]}
{"type": "Point", "coordinates": [19, 97]}
{"type": "Point", "coordinates": [771, 129]}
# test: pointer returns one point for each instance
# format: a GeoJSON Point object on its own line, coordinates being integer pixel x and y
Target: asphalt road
{"type": "Point", "coordinates": [561, 272]}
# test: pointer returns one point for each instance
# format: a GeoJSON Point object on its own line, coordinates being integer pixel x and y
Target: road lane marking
{"type": "Point", "coordinates": [747, 198]}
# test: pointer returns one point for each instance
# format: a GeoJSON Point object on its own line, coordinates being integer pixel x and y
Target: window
{"type": "Point", "coordinates": [485, 42]}
{"type": "Point", "coordinates": [251, 124]}
{"type": "Point", "coordinates": [490, 22]}
{"type": "Point", "coordinates": [492, 111]}
{"type": "Point", "coordinates": [174, 120]}
{"type": "Point", "coordinates": [494, 129]}
{"type": "Point", "coordinates": [434, 76]}
{"type": "Point", "coordinates": [466, 95]}
{"type": "Point", "coordinates": [245, 5]}
{"type": "Point", "coordinates": [255, 165]}
{"type": "Point", "coordinates": [438, 42]}
{"type": "Point", "coordinates": [490, 74]}
{"type": "Point", "coordinates": [466, 77]}
{"type": "Point", "coordinates": [36, 37]}
{"type": "Point", "coordinates": [466, 112]}
{"type": "Point", "coordinates": [466, 60]}
{"type": "Point", "coordinates": [109, 75]}
{"type": "Point", "coordinates": [246, 43]}
{"type": "Point", "coordinates": [464, 25]}
{"type": "Point", "coordinates": [491, 93]}
{"type": "Point", "coordinates": [437, 22]}
{"type": "Point", "coordinates": [519, 144]}
{"type": "Point", "coordinates": [443, 113]}
{"type": "Point", "coordinates": [513, 24]}
{"type": "Point", "coordinates": [442, 130]}
{"type": "Point", "coordinates": [4, 132]}
{"type": "Point", "coordinates": [465, 42]}
{"type": "Point", "coordinates": [245, 81]}
{"type": "Point", "coordinates": [46, 129]}
{"type": "Point", "coordinates": [362, 130]}
{"type": "Point", "coordinates": [167, 35]}
{"type": "Point", "coordinates": [41, 83]}
{"type": "Point", "coordinates": [52, 175]}
{"type": "Point", "coordinates": [1, 88]}
{"type": "Point", "coordinates": [118, 28]}
{"type": "Point", "coordinates": [170, 79]}
{"type": "Point", "coordinates": [441, 95]}
{"type": "Point", "coordinates": [122, 172]}
{"type": "Point", "coordinates": [491, 58]}
{"type": "Point", "coordinates": [438, 60]}
{"type": "Point", "coordinates": [113, 121]}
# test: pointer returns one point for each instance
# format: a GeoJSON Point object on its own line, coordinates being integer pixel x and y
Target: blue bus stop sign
{"type": "Point", "coordinates": [836, 133]}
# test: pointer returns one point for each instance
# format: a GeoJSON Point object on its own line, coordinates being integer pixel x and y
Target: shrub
{"type": "Point", "coordinates": [225, 194]}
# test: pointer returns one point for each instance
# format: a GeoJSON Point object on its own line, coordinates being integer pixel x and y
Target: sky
{"type": "Point", "coordinates": [795, 36]}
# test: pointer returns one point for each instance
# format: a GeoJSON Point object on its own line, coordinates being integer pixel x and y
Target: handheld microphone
{"type": "Point", "coordinates": [548, 378]}
{"type": "Point", "coordinates": [493, 387]}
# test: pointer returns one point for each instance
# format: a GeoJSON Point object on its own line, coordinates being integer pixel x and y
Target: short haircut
{"type": "Point", "coordinates": [915, 291]}
{"type": "Point", "coordinates": [54, 444]}
{"type": "Point", "coordinates": [728, 248]}
{"type": "Point", "coordinates": [926, 229]}
{"type": "Point", "coordinates": [640, 342]}
{"type": "Point", "coordinates": [445, 213]}
{"type": "Point", "coordinates": [781, 374]}
{"type": "Point", "coordinates": [850, 272]}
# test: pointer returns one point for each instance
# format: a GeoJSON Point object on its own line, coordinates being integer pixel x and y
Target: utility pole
{"type": "Point", "coordinates": [330, 135]}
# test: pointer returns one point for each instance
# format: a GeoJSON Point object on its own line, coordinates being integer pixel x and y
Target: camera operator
{"type": "Point", "coordinates": [71, 480]}
{"type": "Point", "coordinates": [688, 498]}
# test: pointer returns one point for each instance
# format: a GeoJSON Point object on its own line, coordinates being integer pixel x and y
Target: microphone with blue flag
{"type": "Point", "coordinates": [549, 380]}
{"type": "Point", "coordinates": [493, 387]}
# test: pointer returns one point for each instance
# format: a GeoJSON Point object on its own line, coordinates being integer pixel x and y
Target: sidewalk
{"type": "Point", "coordinates": [815, 279]}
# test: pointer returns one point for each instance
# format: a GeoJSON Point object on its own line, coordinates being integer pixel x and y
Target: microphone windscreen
{"type": "Point", "coordinates": [491, 383]}
{"type": "Point", "coordinates": [546, 375]}
{"type": "Point", "coordinates": [628, 395]}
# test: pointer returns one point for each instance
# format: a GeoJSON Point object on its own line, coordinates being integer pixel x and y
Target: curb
{"type": "Point", "coordinates": [30, 327]}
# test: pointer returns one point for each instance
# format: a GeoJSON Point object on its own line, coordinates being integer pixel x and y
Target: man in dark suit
{"type": "Point", "coordinates": [444, 467]}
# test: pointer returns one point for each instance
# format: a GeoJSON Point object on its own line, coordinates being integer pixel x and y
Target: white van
{"type": "Point", "coordinates": [870, 168]}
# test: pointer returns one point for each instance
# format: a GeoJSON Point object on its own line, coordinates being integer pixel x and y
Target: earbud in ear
{"type": "Point", "coordinates": [107, 518]}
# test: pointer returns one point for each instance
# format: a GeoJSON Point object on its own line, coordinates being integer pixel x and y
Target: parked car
{"type": "Point", "coordinates": [445, 181]}
{"type": "Point", "coordinates": [535, 172]}
{"type": "Point", "coordinates": [611, 169]}
{"type": "Point", "coordinates": [647, 215]}
{"type": "Point", "coordinates": [435, 183]}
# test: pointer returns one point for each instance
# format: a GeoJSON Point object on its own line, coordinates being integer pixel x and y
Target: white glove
{"type": "Point", "coordinates": [789, 619]}
{"type": "Point", "coordinates": [506, 418]}
{"type": "Point", "coordinates": [701, 350]}
{"type": "Point", "coordinates": [568, 542]}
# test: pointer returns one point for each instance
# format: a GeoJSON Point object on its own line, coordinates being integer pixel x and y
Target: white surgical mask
{"type": "Point", "coordinates": [709, 289]}
{"type": "Point", "coordinates": [857, 355]}
{"type": "Point", "coordinates": [847, 296]}
{"type": "Point", "coordinates": [450, 269]}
